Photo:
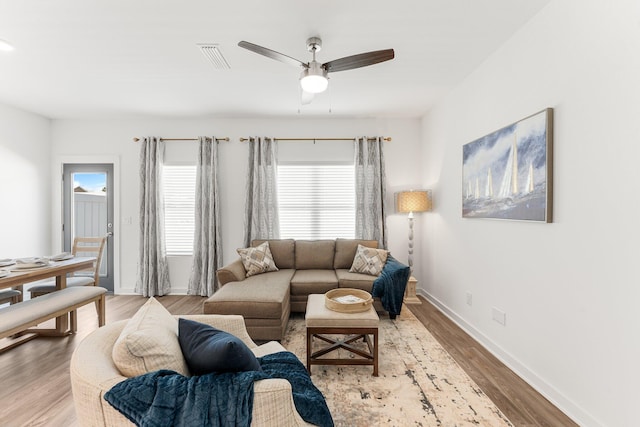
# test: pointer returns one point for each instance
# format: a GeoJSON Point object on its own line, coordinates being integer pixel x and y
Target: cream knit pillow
{"type": "Point", "coordinates": [149, 342]}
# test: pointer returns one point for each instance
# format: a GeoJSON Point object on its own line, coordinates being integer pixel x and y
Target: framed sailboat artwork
{"type": "Point", "coordinates": [508, 173]}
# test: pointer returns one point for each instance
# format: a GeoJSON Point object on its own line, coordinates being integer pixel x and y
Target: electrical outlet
{"type": "Point", "coordinates": [469, 298]}
{"type": "Point", "coordinates": [499, 316]}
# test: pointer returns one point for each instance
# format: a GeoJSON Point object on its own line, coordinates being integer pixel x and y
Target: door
{"type": "Point", "coordinates": [88, 209]}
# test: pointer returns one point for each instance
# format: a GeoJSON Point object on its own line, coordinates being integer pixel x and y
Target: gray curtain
{"type": "Point", "coordinates": [371, 210]}
{"type": "Point", "coordinates": [261, 209]}
{"type": "Point", "coordinates": [207, 245]}
{"type": "Point", "coordinates": [153, 271]}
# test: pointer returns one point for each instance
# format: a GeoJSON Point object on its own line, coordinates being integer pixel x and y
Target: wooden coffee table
{"type": "Point", "coordinates": [352, 327]}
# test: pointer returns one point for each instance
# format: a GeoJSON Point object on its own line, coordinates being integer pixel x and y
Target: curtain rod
{"type": "Point", "coordinates": [226, 138]}
{"type": "Point", "coordinates": [388, 138]}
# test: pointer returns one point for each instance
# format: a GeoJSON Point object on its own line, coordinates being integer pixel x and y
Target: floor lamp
{"type": "Point", "coordinates": [410, 202]}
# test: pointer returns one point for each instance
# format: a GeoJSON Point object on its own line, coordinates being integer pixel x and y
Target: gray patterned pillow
{"type": "Point", "coordinates": [369, 261]}
{"type": "Point", "coordinates": [257, 260]}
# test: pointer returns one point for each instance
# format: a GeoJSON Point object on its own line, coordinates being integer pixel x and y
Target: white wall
{"type": "Point", "coordinates": [24, 184]}
{"type": "Point", "coordinates": [570, 289]}
{"type": "Point", "coordinates": [114, 137]}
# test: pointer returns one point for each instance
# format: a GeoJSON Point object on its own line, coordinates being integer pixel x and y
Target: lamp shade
{"type": "Point", "coordinates": [414, 201]}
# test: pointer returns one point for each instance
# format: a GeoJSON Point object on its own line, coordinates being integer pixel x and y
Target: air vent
{"type": "Point", "coordinates": [214, 56]}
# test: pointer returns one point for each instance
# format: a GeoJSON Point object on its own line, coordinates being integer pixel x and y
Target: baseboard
{"type": "Point", "coordinates": [573, 411]}
{"type": "Point", "coordinates": [131, 291]}
{"type": "Point", "coordinates": [126, 291]}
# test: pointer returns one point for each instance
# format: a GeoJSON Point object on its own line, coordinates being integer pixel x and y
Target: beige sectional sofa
{"type": "Point", "coordinates": [304, 267]}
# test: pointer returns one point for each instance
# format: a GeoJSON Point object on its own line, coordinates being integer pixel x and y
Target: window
{"type": "Point", "coordinates": [316, 201]}
{"type": "Point", "coordinates": [179, 183]}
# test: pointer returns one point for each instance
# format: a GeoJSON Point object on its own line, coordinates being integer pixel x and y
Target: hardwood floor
{"type": "Point", "coordinates": [516, 399]}
{"type": "Point", "coordinates": [35, 389]}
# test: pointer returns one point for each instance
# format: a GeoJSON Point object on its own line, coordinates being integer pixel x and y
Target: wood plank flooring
{"type": "Point", "coordinates": [516, 399]}
{"type": "Point", "coordinates": [35, 389]}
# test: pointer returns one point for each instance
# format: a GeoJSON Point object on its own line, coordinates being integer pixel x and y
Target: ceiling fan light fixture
{"type": "Point", "coordinates": [314, 79]}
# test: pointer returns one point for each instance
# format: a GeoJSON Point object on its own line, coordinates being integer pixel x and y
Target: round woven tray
{"type": "Point", "coordinates": [344, 306]}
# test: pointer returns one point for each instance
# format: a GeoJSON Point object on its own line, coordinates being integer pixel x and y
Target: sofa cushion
{"type": "Point", "coordinates": [257, 260]}
{"type": "Point", "coordinates": [346, 251]}
{"type": "Point", "coordinates": [346, 279]}
{"type": "Point", "coordinates": [315, 254]}
{"type": "Point", "coordinates": [264, 296]}
{"type": "Point", "coordinates": [207, 349]}
{"type": "Point", "coordinates": [283, 251]}
{"type": "Point", "coordinates": [369, 260]}
{"type": "Point", "coordinates": [149, 342]}
{"type": "Point", "coordinates": [306, 282]}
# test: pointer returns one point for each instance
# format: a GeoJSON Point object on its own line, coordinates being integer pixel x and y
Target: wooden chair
{"type": "Point", "coordinates": [82, 246]}
{"type": "Point", "coordinates": [12, 296]}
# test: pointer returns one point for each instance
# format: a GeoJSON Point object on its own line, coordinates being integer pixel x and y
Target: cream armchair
{"type": "Point", "coordinates": [93, 373]}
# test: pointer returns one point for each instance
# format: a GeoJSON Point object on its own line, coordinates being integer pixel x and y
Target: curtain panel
{"type": "Point", "coordinates": [207, 244]}
{"type": "Point", "coordinates": [371, 209]}
{"type": "Point", "coordinates": [261, 208]}
{"type": "Point", "coordinates": [153, 270]}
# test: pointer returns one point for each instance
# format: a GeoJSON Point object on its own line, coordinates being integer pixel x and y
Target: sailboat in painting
{"type": "Point", "coordinates": [469, 190]}
{"type": "Point", "coordinates": [529, 187]}
{"type": "Point", "coordinates": [488, 192]}
{"type": "Point", "coordinates": [509, 185]}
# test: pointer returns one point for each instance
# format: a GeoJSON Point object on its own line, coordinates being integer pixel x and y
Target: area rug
{"type": "Point", "coordinates": [419, 384]}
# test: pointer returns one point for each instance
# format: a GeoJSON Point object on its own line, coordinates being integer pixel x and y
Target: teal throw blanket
{"type": "Point", "coordinates": [391, 284]}
{"type": "Point", "coordinates": [166, 398]}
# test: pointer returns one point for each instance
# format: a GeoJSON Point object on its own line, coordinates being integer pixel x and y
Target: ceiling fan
{"type": "Point", "coordinates": [314, 74]}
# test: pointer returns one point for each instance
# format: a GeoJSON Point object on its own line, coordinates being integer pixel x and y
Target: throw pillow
{"type": "Point", "coordinates": [207, 350]}
{"type": "Point", "coordinates": [149, 342]}
{"type": "Point", "coordinates": [257, 260]}
{"type": "Point", "coordinates": [369, 260]}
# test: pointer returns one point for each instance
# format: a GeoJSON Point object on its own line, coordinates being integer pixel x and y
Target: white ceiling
{"type": "Point", "coordinates": [122, 58]}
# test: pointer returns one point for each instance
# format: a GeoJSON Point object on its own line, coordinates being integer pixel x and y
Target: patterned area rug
{"type": "Point", "coordinates": [419, 384]}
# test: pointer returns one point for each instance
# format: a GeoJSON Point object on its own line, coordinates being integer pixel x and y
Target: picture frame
{"type": "Point", "coordinates": [507, 174]}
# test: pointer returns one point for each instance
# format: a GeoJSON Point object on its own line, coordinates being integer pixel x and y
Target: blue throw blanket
{"type": "Point", "coordinates": [166, 398]}
{"type": "Point", "coordinates": [390, 285]}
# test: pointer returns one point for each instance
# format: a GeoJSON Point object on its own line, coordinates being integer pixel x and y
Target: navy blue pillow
{"type": "Point", "coordinates": [207, 350]}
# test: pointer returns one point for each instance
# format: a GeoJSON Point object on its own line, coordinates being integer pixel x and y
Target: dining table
{"type": "Point", "coordinates": [18, 277]}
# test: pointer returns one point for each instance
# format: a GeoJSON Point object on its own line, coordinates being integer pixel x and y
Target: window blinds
{"type": "Point", "coordinates": [179, 182]}
{"type": "Point", "coordinates": [316, 201]}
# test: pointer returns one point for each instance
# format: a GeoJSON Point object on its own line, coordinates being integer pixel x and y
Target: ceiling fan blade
{"type": "Point", "coordinates": [272, 54]}
{"type": "Point", "coordinates": [306, 98]}
{"type": "Point", "coordinates": [360, 60]}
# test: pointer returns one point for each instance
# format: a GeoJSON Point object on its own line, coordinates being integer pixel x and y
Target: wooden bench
{"type": "Point", "coordinates": [20, 318]}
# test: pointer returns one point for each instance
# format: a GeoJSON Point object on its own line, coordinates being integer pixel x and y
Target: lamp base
{"type": "Point", "coordinates": [410, 296]}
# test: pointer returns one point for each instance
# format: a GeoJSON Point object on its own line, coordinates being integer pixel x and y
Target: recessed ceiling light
{"type": "Point", "coordinates": [5, 46]}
